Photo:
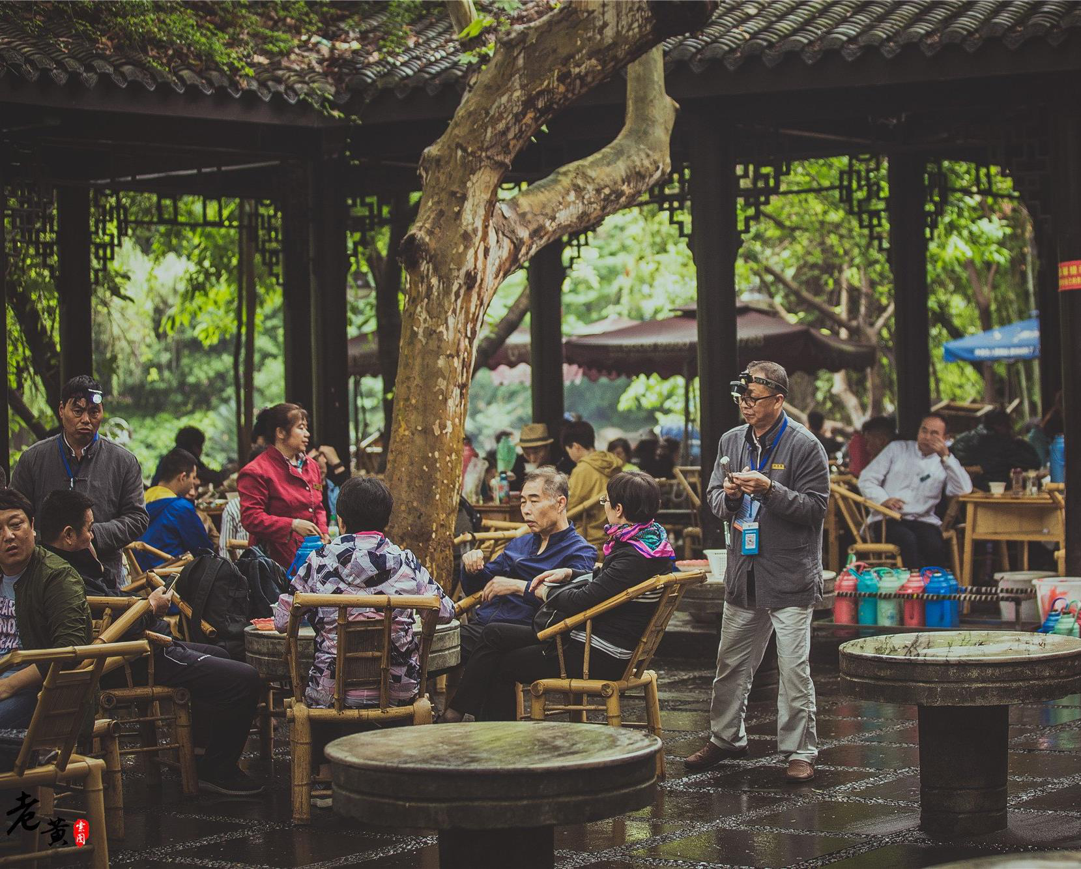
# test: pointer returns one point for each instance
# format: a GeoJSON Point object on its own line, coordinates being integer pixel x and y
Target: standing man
{"type": "Point", "coordinates": [79, 459]}
{"type": "Point", "coordinates": [774, 507]}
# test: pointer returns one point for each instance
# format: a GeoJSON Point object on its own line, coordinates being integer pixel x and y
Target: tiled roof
{"type": "Point", "coordinates": [340, 63]}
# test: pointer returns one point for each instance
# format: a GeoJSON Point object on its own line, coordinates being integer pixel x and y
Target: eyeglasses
{"type": "Point", "coordinates": [602, 501]}
{"type": "Point", "coordinates": [751, 401]}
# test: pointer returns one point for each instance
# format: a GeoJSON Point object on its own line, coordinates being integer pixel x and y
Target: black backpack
{"type": "Point", "coordinates": [219, 594]}
{"type": "Point", "coordinates": [266, 581]}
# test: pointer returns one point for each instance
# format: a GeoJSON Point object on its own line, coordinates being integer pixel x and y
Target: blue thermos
{"type": "Point", "coordinates": [868, 612]}
{"type": "Point", "coordinates": [310, 544]}
{"type": "Point", "coordinates": [1058, 459]}
{"type": "Point", "coordinates": [937, 613]}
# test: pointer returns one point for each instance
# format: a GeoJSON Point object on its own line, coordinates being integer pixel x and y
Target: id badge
{"type": "Point", "coordinates": [749, 541]}
{"type": "Point", "coordinates": [748, 512]}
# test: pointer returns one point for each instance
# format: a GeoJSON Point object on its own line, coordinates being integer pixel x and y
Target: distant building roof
{"type": "Point", "coordinates": [344, 60]}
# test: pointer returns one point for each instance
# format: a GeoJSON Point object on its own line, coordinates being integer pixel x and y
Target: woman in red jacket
{"type": "Point", "coordinates": [281, 492]}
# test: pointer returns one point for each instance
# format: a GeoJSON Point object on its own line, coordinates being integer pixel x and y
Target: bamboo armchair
{"type": "Point", "coordinates": [951, 533]}
{"type": "Point", "coordinates": [142, 702]}
{"type": "Point", "coordinates": [363, 661]}
{"type": "Point", "coordinates": [65, 697]}
{"type": "Point", "coordinates": [171, 564]}
{"type": "Point", "coordinates": [689, 479]}
{"type": "Point", "coordinates": [576, 692]}
{"type": "Point", "coordinates": [857, 511]}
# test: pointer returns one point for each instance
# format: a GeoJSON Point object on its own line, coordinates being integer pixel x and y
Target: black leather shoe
{"type": "Point", "coordinates": [710, 755]}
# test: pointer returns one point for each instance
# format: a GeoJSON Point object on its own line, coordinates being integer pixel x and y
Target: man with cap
{"type": "Point", "coordinates": [770, 486]}
{"type": "Point", "coordinates": [78, 458]}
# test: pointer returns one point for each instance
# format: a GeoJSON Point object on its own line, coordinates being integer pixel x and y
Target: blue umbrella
{"type": "Point", "coordinates": [1020, 340]}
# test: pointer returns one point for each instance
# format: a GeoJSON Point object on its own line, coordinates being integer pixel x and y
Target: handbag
{"type": "Point", "coordinates": [548, 615]}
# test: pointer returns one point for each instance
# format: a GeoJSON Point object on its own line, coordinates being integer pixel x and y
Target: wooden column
{"type": "Point", "coordinates": [715, 244]}
{"type": "Point", "coordinates": [908, 261]}
{"type": "Point", "coordinates": [546, 274]}
{"type": "Point", "coordinates": [1067, 224]}
{"type": "Point", "coordinates": [1047, 302]}
{"type": "Point", "coordinates": [330, 265]}
{"type": "Point", "coordinates": [73, 282]}
{"type": "Point", "coordinates": [297, 285]}
{"type": "Point", "coordinates": [5, 454]}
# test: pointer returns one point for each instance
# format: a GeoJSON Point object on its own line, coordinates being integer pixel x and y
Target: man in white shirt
{"type": "Point", "coordinates": [909, 477]}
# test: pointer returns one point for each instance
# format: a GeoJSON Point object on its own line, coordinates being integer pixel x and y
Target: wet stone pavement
{"type": "Point", "coordinates": [862, 809]}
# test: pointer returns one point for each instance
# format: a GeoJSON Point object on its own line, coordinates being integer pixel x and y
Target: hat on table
{"type": "Point", "coordinates": [534, 435]}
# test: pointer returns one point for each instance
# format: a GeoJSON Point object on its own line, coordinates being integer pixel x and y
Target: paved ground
{"type": "Point", "coordinates": [862, 810]}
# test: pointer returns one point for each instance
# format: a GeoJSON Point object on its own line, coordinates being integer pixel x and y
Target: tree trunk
{"type": "Point", "coordinates": [44, 354]}
{"type": "Point", "coordinates": [387, 277]}
{"type": "Point", "coordinates": [466, 239]}
{"type": "Point", "coordinates": [238, 339]}
{"type": "Point", "coordinates": [251, 301]}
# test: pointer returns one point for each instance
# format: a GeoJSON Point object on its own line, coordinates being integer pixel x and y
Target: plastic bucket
{"type": "Point", "coordinates": [718, 562]}
{"type": "Point", "coordinates": [1050, 587]}
{"type": "Point", "coordinates": [1030, 609]}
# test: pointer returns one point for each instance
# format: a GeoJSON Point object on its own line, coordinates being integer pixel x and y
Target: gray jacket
{"type": "Point", "coordinates": [788, 568]}
{"type": "Point", "coordinates": [108, 474]}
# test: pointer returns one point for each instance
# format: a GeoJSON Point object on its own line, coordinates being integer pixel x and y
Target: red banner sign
{"type": "Point", "coordinates": [1069, 275]}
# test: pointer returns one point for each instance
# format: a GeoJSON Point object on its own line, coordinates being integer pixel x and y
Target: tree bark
{"type": "Point", "coordinates": [251, 301]}
{"type": "Point", "coordinates": [44, 353]}
{"type": "Point", "coordinates": [387, 277]}
{"type": "Point", "coordinates": [466, 239]}
{"type": "Point", "coordinates": [15, 399]}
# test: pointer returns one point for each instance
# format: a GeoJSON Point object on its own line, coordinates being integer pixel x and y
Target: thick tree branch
{"type": "Point", "coordinates": [883, 319]}
{"type": "Point", "coordinates": [15, 399]}
{"type": "Point", "coordinates": [614, 177]}
{"type": "Point", "coordinates": [44, 354]}
{"type": "Point", "coordinates": [825, 310]}
{"type": "Point", "coordinates": [489, 345]}
{"type": "Point", "coordinates": [462, 13]}
{"type": "Point", "coordinates": [387, 277]}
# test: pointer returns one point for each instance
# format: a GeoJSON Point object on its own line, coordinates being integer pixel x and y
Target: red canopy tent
{"type": "Point", "coordinates": [670, 346]}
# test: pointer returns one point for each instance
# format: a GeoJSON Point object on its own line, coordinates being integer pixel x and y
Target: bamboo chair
{"type": "Point", "coordinates": [576, 692]}
{"type": "Point", "coordinates": [363, 661]}
{"type": "Point", "coordinates": [689, 479]}
{"type": "Point", "coordinates": [171, 564]}
{"type": "Point", "coordinates": [951, 534]}
{"type": "Point", "coordinates": [54, 730]}
{"type": "Point", "coordinates": [856, 511]}
{"type": "Point", "coordinates": [142, 703]}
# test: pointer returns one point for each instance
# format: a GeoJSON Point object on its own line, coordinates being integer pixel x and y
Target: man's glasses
{"type": "Point", "coordinates": [603, 501]}
{"type": "Point", "coordinates": [751, 400]}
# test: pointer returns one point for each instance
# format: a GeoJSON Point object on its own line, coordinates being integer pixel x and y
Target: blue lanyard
{"type": "Point", "coordinates": [769, 451]}
{"type": "Point", "coordinates": [64, 458]}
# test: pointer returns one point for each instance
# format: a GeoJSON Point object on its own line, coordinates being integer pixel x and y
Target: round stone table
{"type": "Point", "coordinates": [493, 788]}
{"type": "Point", "coordinates": [963, 683]}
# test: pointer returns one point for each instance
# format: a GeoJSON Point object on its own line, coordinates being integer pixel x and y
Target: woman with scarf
{"type": "Point", "coordinates": [636, 550]}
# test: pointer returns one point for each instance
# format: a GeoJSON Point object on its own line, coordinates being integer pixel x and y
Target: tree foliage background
{"type": "Point", "coordinates": [165, 316]}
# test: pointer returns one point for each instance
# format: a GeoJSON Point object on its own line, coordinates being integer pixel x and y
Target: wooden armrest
{"type": "Point", "coordinates": [467, 603]}
{"type": "Point", "coordinates": [876, 547]}
{"type": "Point", "coordinates": [156, 639]}
{"type": "Point", "coordinates": [106, 727]}
{"type": "Point", "coordinates": [585, 505]}
{"type": "Point", "coordinates": [365, 601]}
{"type": "Point", "coordinates": [571, 622]}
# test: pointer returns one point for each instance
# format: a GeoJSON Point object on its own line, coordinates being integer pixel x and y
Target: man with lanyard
{"type": "Point", "coordinates": [79, 459]}
{"type": "Point", "coordinates": [774, 508]}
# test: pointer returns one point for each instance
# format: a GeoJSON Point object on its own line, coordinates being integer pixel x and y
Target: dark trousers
{"type": "Point", "coordinates": [224, 695]}
{"type": "Point", "coordinates": [510, 653]}
{"type": "Point", "coordinates": [921, 543]}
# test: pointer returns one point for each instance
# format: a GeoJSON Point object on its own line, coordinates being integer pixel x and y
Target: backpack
{"type": "Point", "coordinates": [266, 581]}
{"type": "Point", "coordinates": [217, 593]}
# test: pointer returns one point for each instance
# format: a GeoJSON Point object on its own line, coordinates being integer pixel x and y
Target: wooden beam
{"type": "Point", "coordinates": [297, 272]}
{"type": "Point", "coordinates": [5, 452]}
{"type": "Point", "coordinates": [73, 282]}
{"type": "Point", "coordinates": [908, 261]}
{"type": "Point", "coordinates": [1066, 151]}
{"type": "Point", "coordinates": [546, 276]}
{"type": "Point", "coordinates": [1051, 364]}
{"type": "Point", "coordinates": [715, 243]}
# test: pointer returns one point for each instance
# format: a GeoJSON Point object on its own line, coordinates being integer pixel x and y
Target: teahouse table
{"type": "Point", "coordinates": [510, 511]}
{"type": "Point", "coordinates": [494, 790]}
{"type": "Point", "coordinates": [1004, 518]}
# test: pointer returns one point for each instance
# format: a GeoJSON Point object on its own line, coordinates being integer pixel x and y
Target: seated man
{"type": "Point", "coordinates": [553, 544]}
{"type": "Point", "coordinates": [175, 527]}
{"type": "Point", "coordinates": [42, 606]}
{"type": "Point", "coordinates": [191, 440]}
{"type": "Point", "coordinates": [593, 469]}
{"type": "Point", "coordinates": [909, 477]}
{"type": "Point", "coordinates": [362, 561]}
{"type": "Point", "coordinates": [224, 692]}
{"type": "Point", "coordinates": [992, 446]}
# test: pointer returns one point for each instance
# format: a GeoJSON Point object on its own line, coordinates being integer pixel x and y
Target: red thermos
{"type": "Point", "coordinates": [913, 609]}
{"type": "Point", "coordinates": [845, 609]}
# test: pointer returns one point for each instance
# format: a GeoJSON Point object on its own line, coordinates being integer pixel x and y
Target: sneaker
{"type": "Point", "coordinates": [235, 783]}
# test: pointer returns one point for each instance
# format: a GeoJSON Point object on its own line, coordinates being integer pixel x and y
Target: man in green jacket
{"type": "Point", "coordinates": [42, 606]}
{"type": "Point", "coordinates": [592, 470]}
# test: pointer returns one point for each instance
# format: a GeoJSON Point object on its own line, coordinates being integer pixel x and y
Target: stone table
{"type": "Point", "coordinates": [963, 683]}
{"type": "Point", "coordinates": [493, 788]}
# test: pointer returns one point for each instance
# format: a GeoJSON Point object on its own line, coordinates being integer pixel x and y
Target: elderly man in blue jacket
{"type": "Point", "coordinates": [505, 579]}
{"type": "Point", "coordinates": [772, 493]}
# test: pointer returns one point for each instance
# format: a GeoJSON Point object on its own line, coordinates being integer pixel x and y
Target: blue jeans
{"type": "Point", "coordinates": [17, 710]}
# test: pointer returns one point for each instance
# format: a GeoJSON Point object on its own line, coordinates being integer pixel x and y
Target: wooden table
{"type": "Point", "coordinates": [1004, 518]}
{"type": "Point", "coordinates": [494, 790]}
{"type": "Point", "coordinates": [508, 512]}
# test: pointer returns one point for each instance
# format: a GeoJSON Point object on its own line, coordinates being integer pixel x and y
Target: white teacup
{"type": "Point", "coordinates": [997, 488]}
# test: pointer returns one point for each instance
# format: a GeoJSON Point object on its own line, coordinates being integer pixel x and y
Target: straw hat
{"type": "Point", "coordinates": [534, 435]}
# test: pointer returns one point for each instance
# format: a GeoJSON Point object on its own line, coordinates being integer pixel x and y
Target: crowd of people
{"type": "Point", "coordinates": [76, 500]}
